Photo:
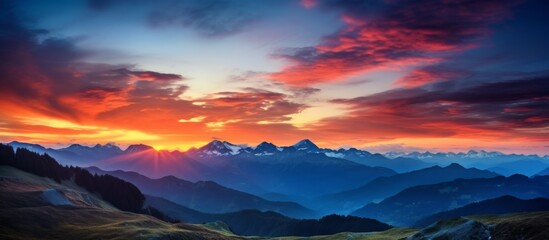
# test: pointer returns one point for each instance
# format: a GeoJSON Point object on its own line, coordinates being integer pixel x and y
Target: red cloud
{"type": "Point", "coordinates": [49, 80]}
{"type": "Point", "coordinates": [401, 34]}
{"type": "Point", "coordinates": [308, 3]}
{"type": "Point", "coordinates": [482, 111]}
{"type": "Point", "coordinates": [420, 76]}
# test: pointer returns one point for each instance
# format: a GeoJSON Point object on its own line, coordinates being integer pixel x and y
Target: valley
{"type": "Point", "coordinates": [412, 202]}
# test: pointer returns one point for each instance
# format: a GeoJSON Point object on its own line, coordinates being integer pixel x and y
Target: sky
{"type": "Point", "coordinates": [392, 75]}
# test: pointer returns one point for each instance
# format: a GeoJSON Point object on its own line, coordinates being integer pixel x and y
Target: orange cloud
{"type": "Point", "coordinates": [54, 95]}
{"type": "Point", "coordinates": [50, 94]}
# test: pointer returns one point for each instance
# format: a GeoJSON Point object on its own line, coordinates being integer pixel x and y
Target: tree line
{"type": "Point", "coordinates": [121, 194]}
{"type": "Point", "coordinates": [327, 225]}
{"type": "Point", "coordinates": [272, 224]}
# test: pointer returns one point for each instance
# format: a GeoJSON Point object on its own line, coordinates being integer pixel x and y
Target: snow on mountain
{"type": "Point", "coordinates": [266, 149]}
{"type": "Point", "coordinates": [354, 151]}
{"type": "Point", "coordinates": [107, 149]}
{"type": "Point", "coordinates": [482, 154]}
{"type": "Point", "coordinates": [307, 145]}
{"type": "Point", "coordinates": [429, 155]}
{"type": "Point", "coordinates": [219, 148]}
{"type": "Point", "coordinates": [393, 155]}
{"type": "Point", "coordinates": [334, 154]}
{"type": "Point", "coordinates": [138, 148]}
{"type": "Point", "coordinates": [233, 148]}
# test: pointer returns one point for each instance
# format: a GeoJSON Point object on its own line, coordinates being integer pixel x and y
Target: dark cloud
{"type": "Point", "coordinates": [50, 78]}
{"type": "Point", "coordinates": [357, 82]}
{"type": "Point", "coordinates": [449, 108]}
{"type": "Point", "coordinates": [146, 75]}
{"type": "Point", "coordinates": [253, 105]}
{"type": "Point", "coordinates": [24, 60]}
{"type": "Point", "coordinates": [259, 79]}
{"type": "Point", "coordinates": [211, 18]}
{"type": "Point", "coordinates": [150, 89]}
{"type": "Point", "coordinates": [381, 33]}
{"type": "Point", "coordinates": [51, 75]}
{"type": "Point", "coordinates": [100, 5]}
{"type": "Point", "coordinates": [303, 92]}
{"type": "Point", "coordinates": [433, 73]}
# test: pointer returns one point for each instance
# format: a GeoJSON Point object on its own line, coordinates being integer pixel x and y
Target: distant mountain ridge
{"type": "Point", "coordinates": [224, 147]}
{"type": "Point", "coordinates": [34, 207]}
{"type": "Point", "coordinates": [267, 168]}
{"type": "Point", "coordinates": [306, 145]}
{"type": "Point", "coordinates": [501, 205]}
{"type": "Point", "coordinates": [504, 164]}
{"type": "Point", "coordinates": [382, 187]}
{"type": "Point", "coordinates": [217, 147]}
{"type": "Point", "coordinates": [470, 154]}
{"type": "Point", "coordinates": [262, 169]}
{"type": "Point", "coordinates": [206, 196]}
{"type": "Point", "coordinates": [543, 172]}
{"type": "Point", "coordinates": [414, 203]}
{"type": "Point", "coordinates": [272, 224]}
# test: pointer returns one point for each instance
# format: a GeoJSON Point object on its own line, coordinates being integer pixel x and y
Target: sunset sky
{"type": "Point", "coordinates": [385, 75]}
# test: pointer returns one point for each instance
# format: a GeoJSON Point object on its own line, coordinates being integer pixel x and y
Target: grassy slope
{"type": "Point", "coordinates": [50, 222]}
{"type": "Point", "coordinates": [513, 217]}
{"type": "Point", "coordinates": [25, 215]}
{"type": "Point", "coordinates": [507, 226]}
{"type": "Point", "coordinates": [394, 233]}
{"type": "Point", "coordinates": [26, 188]}
{"type": "Point", "coordinates": [532, 225]}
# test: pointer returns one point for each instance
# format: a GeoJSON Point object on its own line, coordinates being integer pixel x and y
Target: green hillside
{"type": "Point", "coordinates": [27, 213]}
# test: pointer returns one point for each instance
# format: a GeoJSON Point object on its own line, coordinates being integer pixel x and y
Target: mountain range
{"type": "Point", "coordinates": [109, 156]}
{"type": "Point", "coordinates": [543, 172]}
{"type": "Point", "coordinates": [504, 164]}
{"type": "Point", "coordinates": [383, 187]}
{"type": "Point", "coordinates": [414, 203]}
{"type": "Point", "coordinates": [205, 196]}
{"type": "Point", "coordinates": [263, 169]}
{"type": "Point", "coordinates": [258, 223]}
{"type": "Point", "coordinates": [337, 181]}
{"type": "Point", "coordinates": [38, 207]}
{"type": "Point", "coordinates": [500, 205]}
{"type": "Point", "coordinates": [414, 197]}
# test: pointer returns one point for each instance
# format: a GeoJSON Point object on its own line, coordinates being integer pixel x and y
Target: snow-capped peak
{"type": "Point", "coordinates": [335, 155]}
{"type": "Point", "coordinates": [234, 148]}
{"type": "Point", "coordinates": [108, 148]}
{"type": "Point", "coordinates": [220, 148]}
{"type": "Point", "coordinates": [265, 145]}
{"type": "Point", "coordinates": [306, 144]}
{"type": "Point", "coordinates": [266, 148]}
{"type": "Point", "coordinates": [429, 155]}
{"type": "Point", "coordinates": [138, 148]}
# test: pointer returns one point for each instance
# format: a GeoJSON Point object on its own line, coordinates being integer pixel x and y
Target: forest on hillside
{"type": "Point", "coordinates": [121, 194]}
